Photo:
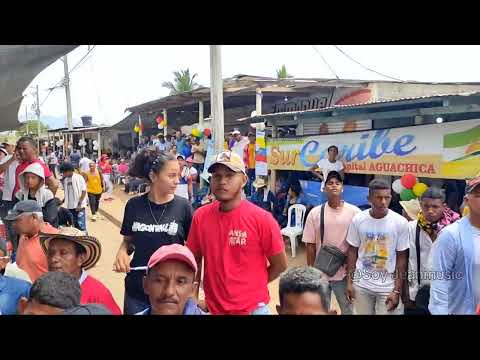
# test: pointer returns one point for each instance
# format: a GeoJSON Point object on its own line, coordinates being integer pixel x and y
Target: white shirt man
{"type": "Point", "coordinates": [9, 178]}
{"type": "Point", "coordinates": [324, 166]}
{"type": "Point", "coordinates": [84, 164]}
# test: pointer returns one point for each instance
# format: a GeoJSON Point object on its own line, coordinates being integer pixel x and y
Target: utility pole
{"type": "Point", "coordinates": [216, 96]}
{"type": "Point", "coordinates": [26, 117]}
{"type": "Point", "coordinates": [37, 111]}
{"type": "Point", "coordinates": [67, 93]}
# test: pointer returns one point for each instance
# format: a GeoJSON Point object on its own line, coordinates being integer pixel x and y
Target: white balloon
{"type": "Point", "coordinates": [397, 186]}
{"type": "Point", "coordinates": [95, 147]}
{"type": "Point", "coordinates": [95, 142]}
{"type": "Point", "coordinates": [160, 127]}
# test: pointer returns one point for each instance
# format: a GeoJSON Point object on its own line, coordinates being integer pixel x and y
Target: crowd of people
{"type": "Point", "coordinates": [374, 261]}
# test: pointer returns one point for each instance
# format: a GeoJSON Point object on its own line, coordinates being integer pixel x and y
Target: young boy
{"type": "Point", "coordinates": [75, 190]}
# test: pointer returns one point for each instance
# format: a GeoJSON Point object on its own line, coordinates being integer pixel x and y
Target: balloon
{"type": "Point", "coordinates": [419, 188]}
{"type": "Point", "coordinates": [207, 132]}
{"type": "Point", "coordinates": [136, 128]}
{"type": "Point", "coordinates": [397, 186]}
{"type": "Point", "coordinates": [196, 132]}
{"type": "Point", "coordinates": [160, 126]}
{"type": "Point", "coordinates": [163, 123]}
{"type": "Point", "coordinates": [159, 119]}
{"type": "Point", "coordinates": [408, 180]}
{"type": "Point", "coordinates": [407, 195]}
{"type": "Point", "coordinates": [95, 147]}
{"type": "Point", "coordinates": [95, 142]}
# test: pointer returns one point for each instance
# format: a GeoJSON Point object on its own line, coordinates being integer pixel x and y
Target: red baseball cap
{"type": "Point", "coordinates": [173, 252]}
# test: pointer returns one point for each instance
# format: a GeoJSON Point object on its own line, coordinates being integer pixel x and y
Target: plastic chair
{"type": "Point", "coordinates": [297, 229]}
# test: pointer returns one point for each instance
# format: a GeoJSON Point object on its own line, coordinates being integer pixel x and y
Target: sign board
{"type": "Point", "coordinates": [261, 168]}
{"type": "Point", "coordinates": [449, 150]}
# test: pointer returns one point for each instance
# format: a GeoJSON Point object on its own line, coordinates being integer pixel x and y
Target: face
{"type": "Point", "coordinates": [178, 135]}
{"type": "Point", "coordinates": [92, 167]}
{"type": "Point", "coordinates": [226, 184]}
{"type": "Point", "coordinates": [473, 201]}
{"type": "Point", "coordinates": [10, 148]}
{"type": "Point", "coordinates": [307, 303]}
{"type": "Point", "coordinates": [251, 139]}
{"type": "Point", "coordinates": [26, 224]}
{"type": "Point", "coordinates": [238, 137]}
{"type": "Point", "coordinates": [168, 286]}
{"type": "Point", "coordinates": [32, 181]}
{"type": "Point", "coordinates": [432, 209]}
{"type": "Point", "coordinates": [333, 187]}
{"type": "Point", "coordinates": [33, 307]}
{"type": "Point", "coordinates": [26, 151]}
{"type": "Point", "coordinates": [166, 180]}
{"type": "Point", "coordinates": [61, 256]}
{"type": "Point", "coordinates": [332, 154]}
{"type": "Point", "coordinates": [380, 199]}
{"type": "Point", "coordinates": [181, 162]}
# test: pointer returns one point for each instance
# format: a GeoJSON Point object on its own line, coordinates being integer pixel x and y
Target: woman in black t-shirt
{"type": "Point", "coordinates": [152, 220]}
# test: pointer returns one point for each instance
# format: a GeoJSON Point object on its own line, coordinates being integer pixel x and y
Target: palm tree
{"type": "Point", "coordinates": [182, 82]}
{"type": "Point", "coordinates": [282, 73]}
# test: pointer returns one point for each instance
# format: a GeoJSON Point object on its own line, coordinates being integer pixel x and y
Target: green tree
{"type": "Point", "coordinates": [32, 128]}
{"type": "Point", "coordinates": [282, 73]}
{"type": "Point", "coordinates": [182, 82]}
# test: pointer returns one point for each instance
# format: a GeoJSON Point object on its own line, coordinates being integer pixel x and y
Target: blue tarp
{"type": "Point", "coordinates": [356, 195]}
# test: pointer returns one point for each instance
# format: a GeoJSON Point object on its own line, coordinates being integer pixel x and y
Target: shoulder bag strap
{"type": "Point", "coordinates": [417, 246]}
{"type": "Point", "coordinates": [322, 222]}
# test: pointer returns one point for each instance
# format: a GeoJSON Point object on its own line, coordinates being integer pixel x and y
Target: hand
{"type": "Point", "coordinates": [4, 260]}
{"type": "Point", "coordinates": [78, 208]}
{"type": "Point", "coordinates": [350, 293]}
{"type": "Point", "coordinates": [122, 261]}
{"type": "Point", "coordinates": [392, 301]}
{"type": "Point", "coordinates": [203, 305]}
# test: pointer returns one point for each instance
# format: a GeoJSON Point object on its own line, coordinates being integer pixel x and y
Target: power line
{"type": "Point", "coordinates": [325, 61]}
{"type": "Point", "coordinates": [73, 68]}
{"type": "Point", "coordinates": [83, 58]}
{"type": "Point", "coordinates": [365, 67]}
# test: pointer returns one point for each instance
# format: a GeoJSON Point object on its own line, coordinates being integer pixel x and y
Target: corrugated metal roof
{"type": "Point", "coordinates": [245, 84]}
{"type": "Point", "coordinates": [383, 101]}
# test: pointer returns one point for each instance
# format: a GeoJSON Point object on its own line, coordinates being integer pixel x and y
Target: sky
{"type": "Point", "coordinates": [115, 77]}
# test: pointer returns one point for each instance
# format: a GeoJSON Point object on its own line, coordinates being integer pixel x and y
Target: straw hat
{"type": "Point", "coordinates": [91, 245]}
{"type": "Point", "coordinates": [259, 183]}
{"type": "Point", "coordinates": [411, 207]}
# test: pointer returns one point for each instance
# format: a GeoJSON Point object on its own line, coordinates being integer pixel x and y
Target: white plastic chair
{"type": "Point", "coordinates": [293, 231]}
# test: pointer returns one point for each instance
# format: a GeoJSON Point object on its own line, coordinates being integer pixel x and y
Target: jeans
{"type": "Point", "coordinates": [339, 288]}
{"type": "Point", "coordinates": [94, 200]}
{"type": "Point", "coordinates": [79, 219]}
{"type": "Point", "coordinates": [251, 179]}
{"type": "Point", "coordinates": [261, 310]}
{"type": "Point", "coordinates": [131, 305]}
{"type": "Point", "coordinates": [368, 302]}
{"type": "Point", "coordinates": [52, 168]}
{"type": "Point", "coordinates": [199, 168]}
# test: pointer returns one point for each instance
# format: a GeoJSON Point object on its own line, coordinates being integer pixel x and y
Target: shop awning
{"type": "Point", "coordinates": [19, 65]}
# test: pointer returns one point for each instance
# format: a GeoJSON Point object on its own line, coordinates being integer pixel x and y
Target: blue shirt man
{"type": "Point", "coordinates": [11, 290]}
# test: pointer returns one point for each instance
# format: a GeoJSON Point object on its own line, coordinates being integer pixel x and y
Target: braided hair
{"type": "Point", "coordinates": [149, 160]}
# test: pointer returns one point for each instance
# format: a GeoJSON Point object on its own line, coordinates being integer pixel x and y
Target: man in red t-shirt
{"type": "Point", "coordinates": [73, 252]}
{"type": "Point", "coordinates": [27, 152]}
{"type": "Point", "coordinates": [241, 243]}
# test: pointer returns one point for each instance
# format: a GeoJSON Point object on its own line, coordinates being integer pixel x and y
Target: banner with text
{"type": "Point", "coordinates": [449, 150]}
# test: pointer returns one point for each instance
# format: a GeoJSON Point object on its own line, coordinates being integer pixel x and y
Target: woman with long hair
{"type": "Point", "coordinates": [150, 221]}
